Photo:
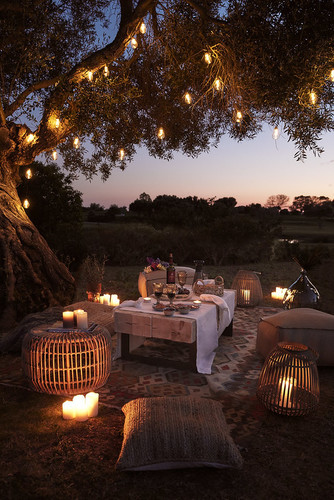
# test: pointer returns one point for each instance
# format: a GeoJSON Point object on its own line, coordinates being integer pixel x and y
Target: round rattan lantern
{"type": "Point", "coordinates": [289, 381]}
{"type": "Point", "coordinates": [248, 287]}
{"type": "Point", "coordinates": [66, 362]}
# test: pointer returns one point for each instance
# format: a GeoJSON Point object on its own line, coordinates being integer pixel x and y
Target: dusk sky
{"type": "Point", "coordinates": [250, 171]}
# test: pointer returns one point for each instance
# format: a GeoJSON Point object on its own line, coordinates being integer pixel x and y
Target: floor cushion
{"type": "Point", "coordinates": [176, 432]}
{"type": "Point", "coordinates": [304, 325]}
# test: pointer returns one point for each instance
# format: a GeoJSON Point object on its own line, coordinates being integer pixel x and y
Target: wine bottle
{"type": "Point", "coordinates": [171, 270]}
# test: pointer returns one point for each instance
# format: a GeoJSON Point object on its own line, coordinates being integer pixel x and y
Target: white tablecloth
{"type": "Point", "coordinates": [211, 321]}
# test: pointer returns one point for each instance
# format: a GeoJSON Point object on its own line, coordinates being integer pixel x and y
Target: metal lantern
{"type": "Point", "coordinates": [289, 381]}
{"type": "Point", "coordinates": [248, 287]}
{"type": "Point", "coordinates": [302, 293]}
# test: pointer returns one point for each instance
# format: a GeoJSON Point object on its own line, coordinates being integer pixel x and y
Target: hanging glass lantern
{"type": "Point", "coordinates": [28, 173]}
{"type": "Point", "coordinates": [207, 58]}
{"type": "Point", "coordinates": [134, 43]}
{"type": "Point", "coordinates": [106, 70]}
{"type": "Point", "coordinates": [187, 98]}
{"type": "Point", "coordinates": [57, 123]}
{"type": "Point", "coordinates": [217, 84]}
{"type": "Point", "coordinates": [332, 75]}
{"type": "Point", "coordinates": [276, 133]}
{"type": "Point", "coordinates": [26, 203]}
{"type": "Point", "coordinates": [76, 142]}
{"type": "Point", "coordinates": [161, 133]}
{"type": "Point", "coordinates": [54, 155]}
{"type": "Point", "coordinates": [121, 154]}
{"type": "Point", "coordinates": [30, 138]}
{"type": "Point", "coordinates": [238, 117]}
{"type": "Point", "coordinates": [313, 97]}
{"type": "Point", "coordinates": [142, 28]}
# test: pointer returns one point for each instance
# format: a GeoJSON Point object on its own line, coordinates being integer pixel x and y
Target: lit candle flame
{"type": "Point", "coordinates": [121, 153]}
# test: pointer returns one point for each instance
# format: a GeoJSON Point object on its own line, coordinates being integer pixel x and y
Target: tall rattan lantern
{"type": "Point", "coordinates": [248, 287]}
{"type": "Point", "coordinates": [289, 381]}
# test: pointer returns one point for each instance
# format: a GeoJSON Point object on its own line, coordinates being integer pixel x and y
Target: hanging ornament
{"type": "Point", "coordinates": [121, 154]}
{"type": "Point", "coordinates": [313, 97]}
{"type": "Point", "coordinates": [276, 134]}
{"type": "Point", "coordinates": [28, 173]}
{"type": "Point", "coordinates": [238, 117]}
{"type": "Point", "coordinates": [76, 142]}
{"type": "Point", "coordinates": [142, 28]}
{"type": "Point", "coordinates": [207, 58]}
{"type": "Point", "coordinates": [187, 98]}
{"type": "Point", "coordinates": [161, 133]}
{"type": "Point", "coordinates": [134, 43]}
{"type": "Point", "coordinates": [30, 138]}
{"type": "Point", "coordinates": [106, 70]}
{"type": "Point", "coordinates": [26, 203]}
{"type": "Point", "coordinates": [331, 76]}
{"type": "Point", "coordinates": [217, 84]}
{"type": "Point", "coordinates": [90, 75]}
{"type": "Point", "coordinates": [54, 155]}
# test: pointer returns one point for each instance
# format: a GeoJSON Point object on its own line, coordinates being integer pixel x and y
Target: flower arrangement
{"type": "Point", "coordinates": [155, 265]}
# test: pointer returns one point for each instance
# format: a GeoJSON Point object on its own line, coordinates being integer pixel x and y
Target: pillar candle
{"type": "Point", "coordinates": [92, 403]}
{"type": "Point", "coordinates": [82, 320]}
{"type": "Point", "coordinates": [246, 296]}
{"type": "Point", "coordinates": [101, 299]}
{"type": "Point", "coordinates": [114, 300]}
{"type": "Point", "coordinates": [81, 413]}
{"type": "Point", "coordinates": [68, 410]}
{"type": "Point", "coordinates": [106, 299]}
{"type": "Point", "coordinates": [75, 315]}
{"type": "Point", "coordinates": [68, 319]}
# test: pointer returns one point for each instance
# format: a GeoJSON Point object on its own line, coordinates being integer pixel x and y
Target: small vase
{"type": "Point", "coordinates": [302, 293]}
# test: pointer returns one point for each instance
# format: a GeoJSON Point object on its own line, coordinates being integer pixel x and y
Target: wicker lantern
{"type": "Point", "coordinates": [66, 362]}
{"type": "Point", "coordinates": [289, 382]}
{"type": "Point", "coordinates": [248, 287]}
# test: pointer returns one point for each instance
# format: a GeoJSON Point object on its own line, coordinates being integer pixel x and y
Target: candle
{"type": "Point", "coordinates": [197, 302]}
{"type": "Point", "coordinates": [246, 296]}
{"type": "Point", "coordinates": [92, 403]}
{"type": "Point", "coordinates": [68, 319]}
{"type": "Point", "coordinates": [279, 293]}
{"type": "Point", "coordinates": [147, 299]}
{"type": "Point", "coordinates": [68, 410]}
{"type": "Point", "coordinates": [75, 315]}
{"type": "Point", "coordinates": [101, 299]}
{"type": "Point", "coordinates": [81, 413]}
{"type": "Point", "coordinates": [114, 300]}
{"type": "Point", "coordinates": [106, 299]}
{"type": "Point", "coordinates": [82, 319]}
{"type": "Point", "coordinates": [286, 385]}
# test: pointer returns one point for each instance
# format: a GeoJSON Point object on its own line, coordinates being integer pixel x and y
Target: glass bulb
{"type": "Point", "coordinates": [238, 117]}
{"type": "Point", "coordinates": [187, 97]}
{"type": "Point", "coordinates": [313, 97]}
{"type": "Point", "coordinates": [121, 154]}
{"type": "Point", "coordinates": [30, 138]}
{"type": "Point", "coordinates": [90, 76]}
{"type": "Point", "coordinates": [26, 203]}
{"type": "Point", "coordinates": [207, 58]}
{"type": "Point", "coordinates": [332, 75]}
{"type": "Point", "coordinates": [217, 84]}
{"type": "Point", "coordinates": [106, 70]}
{"type": "Point", "coordinates": [161, 133]}
{"type": "Point", "coordinates": [54, 155]}
{"type": "Point", "coordinates": [142, 28]}
{"type": "Point", "coordinates": [134, 43]}
{"type": "Point", "coordinates": [76, 142]}
{"type": "Point", "coordinates": [28, 173]}
{"type": "Point", "coordinates": [276, 133]}
{"type": "Point", "coordinates": [57, 123]}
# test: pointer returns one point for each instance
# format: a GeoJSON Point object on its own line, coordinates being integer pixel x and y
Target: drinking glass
{"type": "Point", "coordinates": [182, 279]}
{"type": "Point", "coordinates": [171, 291]}
{"type": "Point", "coordinates": [158, 290]}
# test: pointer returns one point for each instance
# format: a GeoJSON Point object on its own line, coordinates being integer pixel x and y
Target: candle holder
{"type": "Point", "coordinates": [248, 287]}
{"type": "Point", "coordinates": [289, 381]}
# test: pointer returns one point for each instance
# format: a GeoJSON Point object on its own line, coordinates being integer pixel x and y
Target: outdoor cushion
{"type": "Point", "coordinates": [146, 280]}
{"type": "Point", "coordinates": [174, 433]}
{"type": "Point", "coordinates": [304, 325]}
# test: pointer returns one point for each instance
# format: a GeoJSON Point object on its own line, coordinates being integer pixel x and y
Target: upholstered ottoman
{"type": "Point", "coordinates": [304, 325]}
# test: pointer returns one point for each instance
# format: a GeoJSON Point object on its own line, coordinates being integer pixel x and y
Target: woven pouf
{"type": "Point", "coordinates": [68, 362]}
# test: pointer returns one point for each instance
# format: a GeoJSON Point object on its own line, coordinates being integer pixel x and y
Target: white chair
{"type": "Point", "coordinates": [146, 280]}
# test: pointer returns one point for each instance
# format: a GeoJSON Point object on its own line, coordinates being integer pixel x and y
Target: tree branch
{"type": "Point", "coordinates": [22, 97]}
{"type": "Point", "coordinates": [204, 14]}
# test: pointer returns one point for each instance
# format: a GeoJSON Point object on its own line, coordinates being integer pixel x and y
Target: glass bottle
{"type": "Point", "coordinates": [198, 270]}
{"type": "Point", "coordinates": [171, 270]}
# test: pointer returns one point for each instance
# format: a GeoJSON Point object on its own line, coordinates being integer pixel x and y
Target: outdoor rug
{"type": "Point", "coordinates": [233, 381]}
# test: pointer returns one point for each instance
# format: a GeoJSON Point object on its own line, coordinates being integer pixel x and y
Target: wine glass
{"type": "Point", "coordinates": [171, 291]}
{"type": "Point", "coordinates": [158, 290]}
{"type": "Point", "coordinates": [182, 279]}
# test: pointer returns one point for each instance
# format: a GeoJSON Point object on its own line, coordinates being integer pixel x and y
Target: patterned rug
{"type": "Point", "coordinates": [233, 381]}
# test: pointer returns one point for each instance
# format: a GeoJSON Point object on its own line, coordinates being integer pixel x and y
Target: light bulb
{"type": "Point", "coordinates": [54, 155]}
{"type": "Point", "coordinates": [26, 203]}
{"type": "Point", "coordinates": [217, 84]}
{"type": "Point", "coordinates": [331, 76]}
{"type": "Point", "coordinates": [161, 133]}
{"type": "Point", "coordinates": [28, 173]}
{"type": "Point", "coordinates": [276, 134]}
{"type": "Point", "coordinates": [313, 97]}
{"type": "Point", "coordinates": [121, 154]}
{"type": "Point", "coordinates": [30, 138]}
{"type": "Point", "coordinates": [134, 43]}
{"type": "Point", "coordinates": [76, 142]}
{"type": "Point", "coordinates": [142, 28]}
{"type": "Point", "coordinates": [238, 117]}
{"type": "Point", "coordinates": [106, 70]}
{"type": "Point", "coordinates": [187, 97]}
{"type": "Point", "coordinates": [57, 123]}
{"type": "Point", "coordinates": [90, 76]}
{"type": "Point", "coordinates": [207, 58]}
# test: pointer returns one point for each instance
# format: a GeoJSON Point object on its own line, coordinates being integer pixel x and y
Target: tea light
{"type": "Point", "coordinates": [68, 319]}
{"type": "Point", "coordinates": [81, 413]}
{"type": "Point", "coordinates": [147, 300]}
{"type": "Point", "coordinates": [197, 302]}
{"type": "Point", "coordinates": [82, 319]}
{"type": "Point", "coordinates": [114, 300]}
{"type": "Point", "coordinates": [92, 404]}
{"type": "Point", "coordinates": [75, 315]}
{"type": "Point", "coordinates": [68, 410]}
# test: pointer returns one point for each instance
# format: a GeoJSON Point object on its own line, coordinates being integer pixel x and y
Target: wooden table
{"type": "Point", "coordinates": [133, 326]}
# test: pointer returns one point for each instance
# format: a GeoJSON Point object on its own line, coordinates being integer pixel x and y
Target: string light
{"type": "Point", "coordinates": [217, 84]}
{"type": "Point", "coordinates": [161, 133]}
{"type": "Point", "coordinates": [331, 76]}
{"type": "Point", "coordinates": [26, 203]}
{"type": "Point", "coordinates": [238, 117]}
{"type": "Point", "coordinates": [121, 154]}
{"type": "Point", "coordinates": [76, 142]}
{"type": "Point", "coordinates": [30, 138]}
{"type": "Point", "coordinates": [207, 58]}
{"type": "Point", "coordinates": [28, 173]}
{"type": "Point", "coordinates": [106, 70]}
{"type": "Point", "coordinates": [90, 75]}
{"type": "Point", "coordinates": [134, 43]}
{"type": "Point", "coordinates": [276, 134]}
{"type": "Point", "coordinates": [54, 155]}
{"type": "Point", "coordinates": [142, 28]}
{"type": "Point", "coordinates": [187, 98]}
{"type": "Point", "coordinates": [313, 97]}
